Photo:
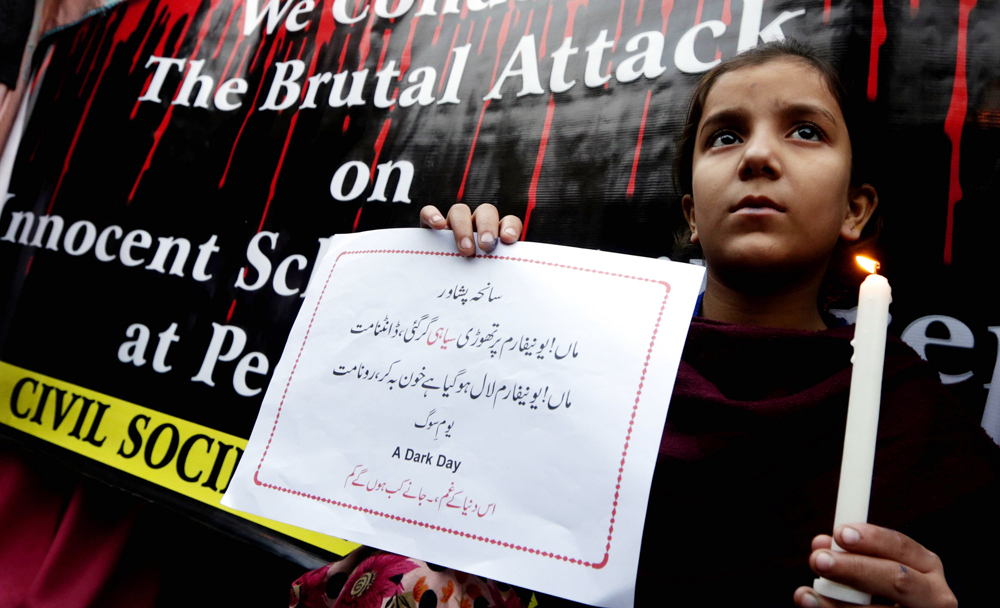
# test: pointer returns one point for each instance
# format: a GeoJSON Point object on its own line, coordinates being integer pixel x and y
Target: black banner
{"type": "Point", "coordinates": [186, 162]}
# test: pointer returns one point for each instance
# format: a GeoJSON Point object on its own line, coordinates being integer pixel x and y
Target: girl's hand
{"type": "Point", "coordinates": [486, 221]}
{"type": "Point", "coordinates": [881, 562]}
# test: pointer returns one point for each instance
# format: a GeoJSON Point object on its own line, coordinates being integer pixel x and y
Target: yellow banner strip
{"type": "Point", "coordinates": [188, 458]}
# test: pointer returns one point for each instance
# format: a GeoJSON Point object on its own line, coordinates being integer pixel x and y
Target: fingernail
{"type": "Point", "coordinates": [436, 219]}
{"type": "Point", "coordinates": [466, 243]}
{"type": "Point", "coordinates": [824, 561]}
{"type": "Point", "coordinates": [510, 231]}
{"type": "Point", "coordinates": [809, 601]}
{"type": "Point", "coordinates": [486, 238]}
{"type": "Point", "coordinates": [850, 536]}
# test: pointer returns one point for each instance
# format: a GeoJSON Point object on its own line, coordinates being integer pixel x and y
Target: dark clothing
{"type": "Point", "coordinates": [15, 24]}
{"type": "Point", "coordinates": [750, 460]}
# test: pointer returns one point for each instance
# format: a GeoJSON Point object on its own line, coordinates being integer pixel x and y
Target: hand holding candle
{"type": "Point", "coordinates": [862, 417]}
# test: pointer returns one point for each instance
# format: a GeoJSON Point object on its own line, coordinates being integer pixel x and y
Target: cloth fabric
{"type": "Point", "coordinates": [375, 579]}
{"type": "Point", "coordinates": [750, 460]}
{"type": "Point", "coordinates": [62, 539]}
{"type": "Point", "coordinates": [749, 465]}
{"type": "Point", "coordinates": [15, 24]}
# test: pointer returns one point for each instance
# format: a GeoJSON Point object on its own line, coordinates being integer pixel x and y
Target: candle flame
{"type": "Point", "coordinates": [867, 263]}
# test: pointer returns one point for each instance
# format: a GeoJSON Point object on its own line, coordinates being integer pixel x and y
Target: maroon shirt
{"type": "Point", "coordinates": [750, 460]}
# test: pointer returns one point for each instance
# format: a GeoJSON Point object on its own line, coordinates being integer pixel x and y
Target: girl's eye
{"type": "Point", "coordinates": [723, 138]}
{"type": "Point", "coordinates": [807, 132]}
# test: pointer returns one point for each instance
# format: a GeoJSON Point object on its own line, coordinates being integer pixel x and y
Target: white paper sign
{"type": "Point", "coordinates": [498, 415]}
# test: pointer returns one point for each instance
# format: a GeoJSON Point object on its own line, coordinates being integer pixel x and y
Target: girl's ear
{"type": "Point", "coordinates": [687, 204]}
{"type": "Point", "coordinates": [862, 202]}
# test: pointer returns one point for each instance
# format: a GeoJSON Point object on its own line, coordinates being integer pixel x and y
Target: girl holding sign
{"type": "Point", "coordinates": [750, 456]}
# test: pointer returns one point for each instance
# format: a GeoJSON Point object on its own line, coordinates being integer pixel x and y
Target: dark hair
{"type": "Point", "coordinates": [760, 55]}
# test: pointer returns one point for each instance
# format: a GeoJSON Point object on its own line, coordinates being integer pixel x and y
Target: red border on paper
{"type": "Point", "coordinates": [628, 434]}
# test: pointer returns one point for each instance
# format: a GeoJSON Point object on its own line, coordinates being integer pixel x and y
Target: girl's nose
{"type": "Point", "coordinates": [760, 159]}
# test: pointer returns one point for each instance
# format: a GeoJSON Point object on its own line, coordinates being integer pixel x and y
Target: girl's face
{"type": "Point", "coordinates": [771, 173]}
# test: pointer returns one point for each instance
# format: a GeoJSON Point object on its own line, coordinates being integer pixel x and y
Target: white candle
{"type": "Point", "coordinates": [862, 420]}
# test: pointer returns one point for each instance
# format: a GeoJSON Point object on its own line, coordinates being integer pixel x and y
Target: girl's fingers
{"type": "Point", "coordinates": [823, 541]}
{"type": "Point", "coordinates": [460, 221]}
{"type": "Point", "coordinates": [432, 218]}
{"type": "Point", "coordinates": [487, 222]}
{"type": "Point", "coordinates": [806, 597]}
{"type": "Point", "coordinates": [510, 229]}
{"type": "Point", "coordinates": [887, 578]}
{"type": "Point", "coordinates": [867, 539]}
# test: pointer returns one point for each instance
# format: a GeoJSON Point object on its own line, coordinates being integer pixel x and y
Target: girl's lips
{"type": "Point", "coordinates": [757, 211]}
{"type": "Point", "coordinates": [757, 205]}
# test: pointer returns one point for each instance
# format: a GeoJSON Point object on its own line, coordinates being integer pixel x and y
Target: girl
{"type": "Point", "coordinates": [750, 455]}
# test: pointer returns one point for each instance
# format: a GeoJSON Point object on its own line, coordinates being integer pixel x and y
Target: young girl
{"type": "Point", "coordinates": [750, 455]}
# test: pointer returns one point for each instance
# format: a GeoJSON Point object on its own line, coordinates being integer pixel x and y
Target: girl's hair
{"type": "Point", "coordinates": [760, 55]}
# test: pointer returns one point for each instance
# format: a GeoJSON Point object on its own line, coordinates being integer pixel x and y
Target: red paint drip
{"type": "Point", "coordinates": [97, 51]}
{"type": "Point", "coordinates": [727, 13]}
{"type": "Point", "coordinates": [954, 121]}
{"type": "Point", "coordinates": [27, 267]}
{"type": "Point", "coordinates": [609, 73]}
{"type": "Point", "coordinates": [77, 36]}
{"type": "Point", "coordinates": [385, 47]}
{"type": "Point", "coordinates": [437, 31]}
{"type": "Point", "coordinates": [347, 123]}
{"type": "Point", "coordinates": [366, 41]}
{"type": "Point", "coordinates": [914, 7]}
{"type": "Point", "coordinates": [277, 170]}
{"type": "Point", "coordinates": [533, 187]}
{"type": "Point", "coordinates": [638, 17]}
{"type": "Point", "coordinates": [827, 6]}
{"type": "Point", "coordinates": [697, 12]}
{"type": "Point", "coordinates": [142, 45]}
{"type": "Point", "coordinates": [472, 27]}
{"type": "Point", "coordinates": [145, 87]}
{"type": "Point", "coordinates": [357, 219]}
{"type": "Point", "coordinates": [545, 31]}
{"type": "Point", "coordinates": [232, 55]}
{"type": "Point", "coordinates": [878, 37]}
{"type": "Point", "coordinates": [483, 38]}
{"type": "Point", "coordinates": [517, 16]}
{"type": "Point", "coordinates": [205, 25]}
{"type": "Point", "coordinates": [527, 27]}
{"type": "Point", "coordinates": [42, 68]}
{"type": "Point", "coordinates": [86, 49]}
{"type": "Point", "coordinates": [472, 150]}
{"type": "Point", "coordinates": [379, 142]}
{"type": "Point", "coordinates": [229, 315]}
{"type": "Point", "coordinates": [404, 60]}
{"type": "Point", "coordinates": [246, 119]}
{"type": "Point", "coordinates": [465, 11]}
{"type": "Point", "coordinates": [241, 68]}
{"type": "Point", "coordinates": [149, 157]}
{"type": "Point", "coordinates": [83, 118]}
{"type": "Point", "coordinates": [638, 147]}
{"type": "Point", "coordinates": [343, 53]}
{"type": "Point", "coordinates": [158, 134]}
{"type": "Point", "coordinates": [225, 29]}
{"type": "Point", "coordinates": [501, 40]}
{"type": "Point", "coordinates": [618, 28]}
{"type": "Point", "coordinates": [447, 61]}
{"type": "Point", "coordinates": [260, 47]}
{"type": "Point", "coordinates": [666, 7]}
{"type": "Point", "coordinates": [571, 8]}
{"type": "Point", "coordinates": [35, 149]}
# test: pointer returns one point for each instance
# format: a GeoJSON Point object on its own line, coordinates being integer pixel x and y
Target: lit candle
{"type": "Point", "coordinates": [862, 417]}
